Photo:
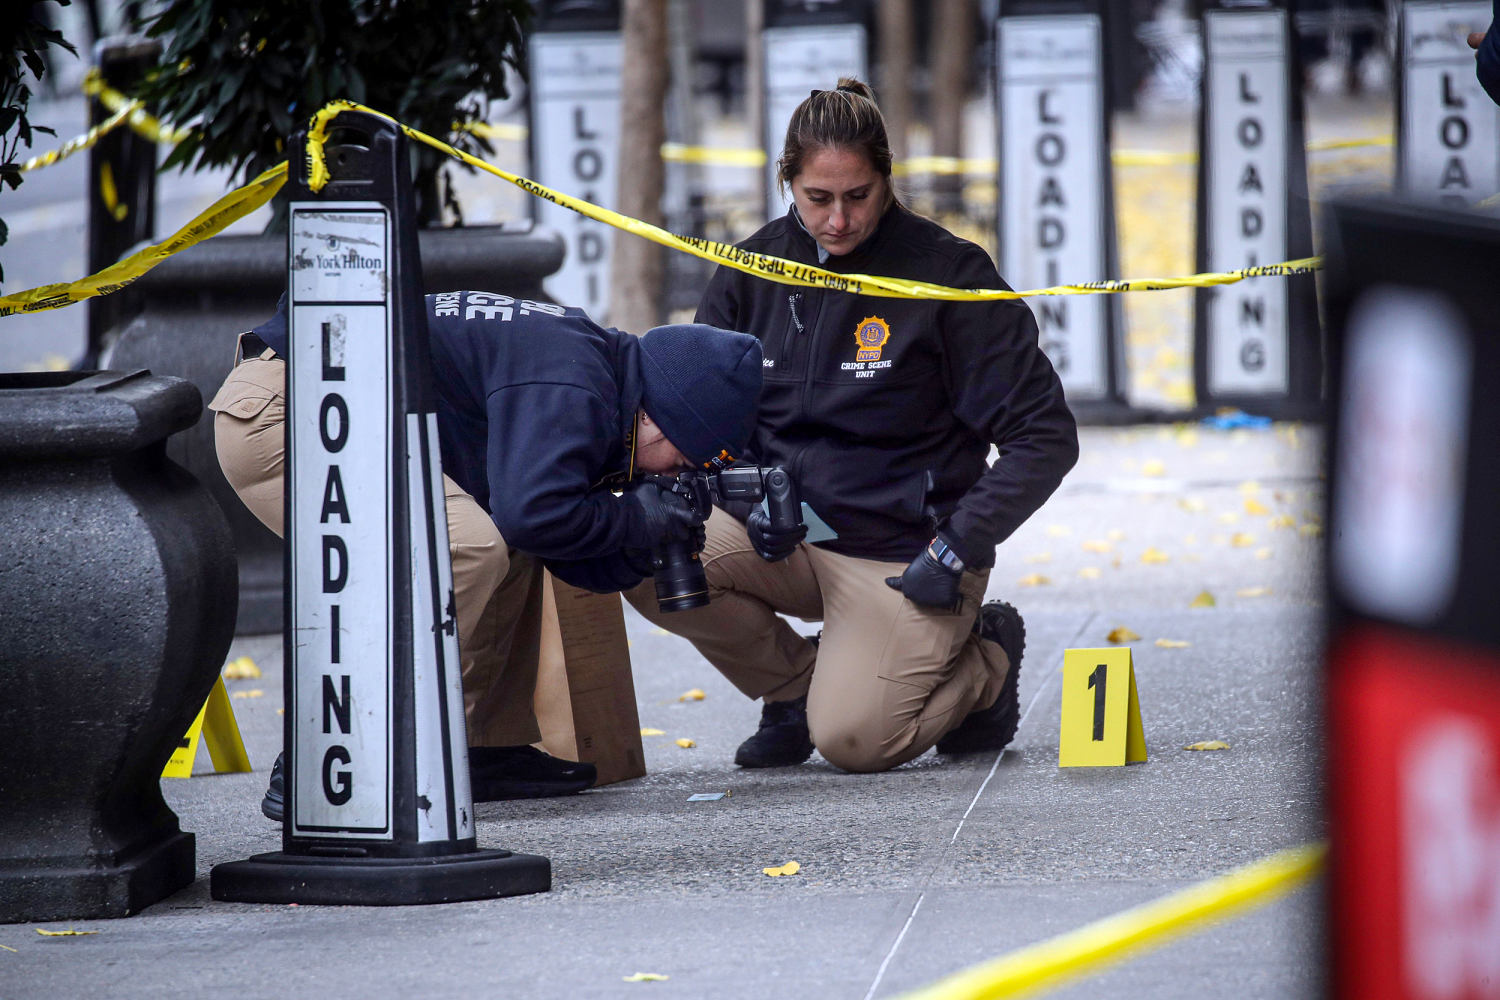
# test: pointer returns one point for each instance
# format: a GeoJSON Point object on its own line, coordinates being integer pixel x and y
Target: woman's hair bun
{"type": "Point", "coordinates": [850, 85]}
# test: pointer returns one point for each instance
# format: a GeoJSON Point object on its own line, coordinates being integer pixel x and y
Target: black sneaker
{"type": "Point", "coordinates": [782, 739]}
{"type": "Point", "coordinates": [993, 728]}
{"type": "Point", "coordinates": [273, 805]}
{"type": "Point", "coordinates": [524, 772]}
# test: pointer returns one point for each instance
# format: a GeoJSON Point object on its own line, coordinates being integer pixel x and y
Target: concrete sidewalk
{"type": "Point", "coordinates": [906, 876]}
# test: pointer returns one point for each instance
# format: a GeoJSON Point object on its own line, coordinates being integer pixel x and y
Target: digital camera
{"type": "Point", "coordinates": [680, 582]}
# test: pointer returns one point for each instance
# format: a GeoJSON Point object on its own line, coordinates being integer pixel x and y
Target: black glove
{"type": "Point", "coordinates": [927, 581]}
{"type": "Point", "coordinates": [772, 544]}
{"type": "Point", "coordinates": [662, 516]}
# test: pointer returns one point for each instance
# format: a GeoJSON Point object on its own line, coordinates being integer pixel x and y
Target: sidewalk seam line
{"type": "Point", "coordinates": [880, 972]}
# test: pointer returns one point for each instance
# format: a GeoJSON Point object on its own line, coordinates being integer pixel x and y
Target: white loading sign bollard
{"type": "Point", "coordinates": [378, 806]}
{"type": "Point", "coordinates": [1257, 343]}
{"type": "Point", "coordinates": [1056, 207]}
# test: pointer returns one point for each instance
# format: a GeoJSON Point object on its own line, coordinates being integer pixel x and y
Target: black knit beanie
{"type": "Point", "coordinates": [702, 385]}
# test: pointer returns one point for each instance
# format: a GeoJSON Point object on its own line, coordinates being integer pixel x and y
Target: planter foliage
{"type": "Point", "coordinates": [246, 74]}
{"type": "Point", "coordinates": [24, 38]}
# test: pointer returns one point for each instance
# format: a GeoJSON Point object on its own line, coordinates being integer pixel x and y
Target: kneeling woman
{"type": "Point", "coordinates": [883, 410]}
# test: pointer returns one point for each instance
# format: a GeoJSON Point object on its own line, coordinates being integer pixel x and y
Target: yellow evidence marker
{"type": "Point", "coordinates": [216, 726]}
{"type": "Point", "coordinates": [1101, 713]}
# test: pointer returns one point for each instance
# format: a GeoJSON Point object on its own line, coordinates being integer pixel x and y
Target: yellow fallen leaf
{"type": "Point", "coordinates": [1203, 600]}
{"type": "Point", "coordinates": [70, 932]}
{"type": "Point", "coordinates": [1310, 530]}
{"type": "Point", "coordinates": [1208, 745]}
{"type": "Point", "coordinates": [1263, 553]}
{"type": "Point", "coordinates": [1096, 546]}
{"type": "Point", "coordinates": [696, 694]}
{"type": "Point", "coordinates": [1241, 540]}
{"type": "Point", "coordinates": [660, 631]}
{"type": "Point", "coordinates": [241, 669]}
{"type": "Point", "coordinates": [790, 868]}
{"type": "Point", "coordinates": [646, 977]}
{"type": "Point", "coordinates": [1155, 555]}
{"type": "Point", "coordinates": [685, 743]}
{"type": "Point", "coordinates": [1115, 535]}
{"type": "Point", "coordinates": [1191, 504]}
{"type": "Point", "coordinates": [1089, 572]}
{"type": "Point", "coordinates": [1172, 644]}
{"type": "Point", "coordinates": [1059, 530]}
{"type": "Point", "coordinates": [1187, 437]}
{"type": "Point", "coordinates": [1040, 557]}
{"type": "Point", "coordinates": [8, 948]}
{"type": "Point", "coordinates": [1255, 508]}
{"type": "Point", "coordinates": [1228, 517]}
{"type": "Point", "coordinates": [653, 732]}
{"type": "Point", "coordinates": [252, 693]}
{"type": "Point", "coordinates": [1252, 592]}
{"type": "Point", "coordinates": [1154, 467]}
{"type": "Point", "coordinates": [1249, 486]}
{"type": "Point", "coordinates": [281, 711]}
{"type": "Point", "coordinates": [1121, 634]}
{"type": "Point", "coordinates": [1283, 521]}
{"type": "Point", "coordinates": [1034, 580]}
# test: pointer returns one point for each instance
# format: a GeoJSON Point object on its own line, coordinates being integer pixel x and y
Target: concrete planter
{"type": "Point", "coordinates": [118, 590]}
{"type": "Point", "coordinates": [199, 301]}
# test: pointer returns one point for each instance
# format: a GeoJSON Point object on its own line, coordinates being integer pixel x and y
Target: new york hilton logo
{"type": "Point", "coordinates": [871, 337]}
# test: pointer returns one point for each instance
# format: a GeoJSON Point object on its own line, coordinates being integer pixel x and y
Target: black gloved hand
{"type": "Point", "coordinates": [771, 544]}
{"type": "Point", "coordinates": [663, 516]}
{"type": "Point", "coordinates": [928, 582]}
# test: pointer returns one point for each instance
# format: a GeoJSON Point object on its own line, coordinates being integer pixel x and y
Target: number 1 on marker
{"type": "Point", "coordinates": [1096, 681]}
{"type": "Point", "coordinates": [1101, 714]}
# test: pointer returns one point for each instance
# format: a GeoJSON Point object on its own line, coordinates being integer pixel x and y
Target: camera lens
{"type": "Point", "coordinates": [680, 582]}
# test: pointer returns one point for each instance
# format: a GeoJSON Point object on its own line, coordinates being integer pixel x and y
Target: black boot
{"type": "Point", "coordinates": [782, 739]}
{"type": "Point", "coordinates": [993, 728]}
{"type": "Point", "coordinates": [524, 772]}
{"type": "Point", "coordinates": [273, 805]}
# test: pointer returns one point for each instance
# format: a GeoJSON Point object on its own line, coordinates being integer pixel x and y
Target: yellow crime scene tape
{"type": "Point", "coordinates": [143, 123]}
{"type": "Point", "coordinates": [79, 143]}
{"type": "Point", "coordinates": [777, 269]}
{"type": "Point", "coordinates": [1050, 963]}
{"type": "Point", "coordinates": [214, 220]}
{"type": "Point", "coordinates": [240, 202]}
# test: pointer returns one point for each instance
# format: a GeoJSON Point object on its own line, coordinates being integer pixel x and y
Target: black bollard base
{"type": "Point", "coordinates": [95, 887]}
{"type": "Point", "coordinates": [344, 881]}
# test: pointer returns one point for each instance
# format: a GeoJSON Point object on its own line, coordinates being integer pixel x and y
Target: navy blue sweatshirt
{"type": "Point", "coordinates": [536, 407]}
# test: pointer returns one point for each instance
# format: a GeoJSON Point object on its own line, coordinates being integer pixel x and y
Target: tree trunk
{"type": "Point", "coordinates": [952, 49]}
{"type": "Point", "coordinates": [897, 31]}
{"type": "Point", "coordinates": [636, 270]}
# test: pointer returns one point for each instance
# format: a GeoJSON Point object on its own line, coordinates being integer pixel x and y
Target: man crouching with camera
{"type": "Point", "coordinates": [543, 415]}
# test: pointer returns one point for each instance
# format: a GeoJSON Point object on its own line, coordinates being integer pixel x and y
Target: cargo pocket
{"type": "Point", "coordinates": [251, 388]}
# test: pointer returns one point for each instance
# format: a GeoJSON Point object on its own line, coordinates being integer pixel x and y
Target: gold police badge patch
{"type": "Point", "coordinates": [871, 335]}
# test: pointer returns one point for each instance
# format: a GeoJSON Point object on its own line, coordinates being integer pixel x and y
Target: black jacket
{"type": "Point", "coordinates": [888, 442]}
{"type": "Point", "coordinates": [536, 407]}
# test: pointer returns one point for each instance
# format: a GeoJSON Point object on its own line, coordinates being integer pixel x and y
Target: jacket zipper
{"type": "Point", "coordinates": [791, 300]}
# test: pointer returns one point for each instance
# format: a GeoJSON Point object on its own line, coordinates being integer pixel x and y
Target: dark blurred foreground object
{"type": "Point", "coordinates": [119, 593]}
{"type": "Point", "coordinates": [1413, 730]}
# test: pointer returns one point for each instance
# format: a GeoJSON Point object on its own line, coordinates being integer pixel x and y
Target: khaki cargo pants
{"type": "Point", "coordinates": [888, 679]}
{"type": "Point", "coordinates": [498, 591]}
